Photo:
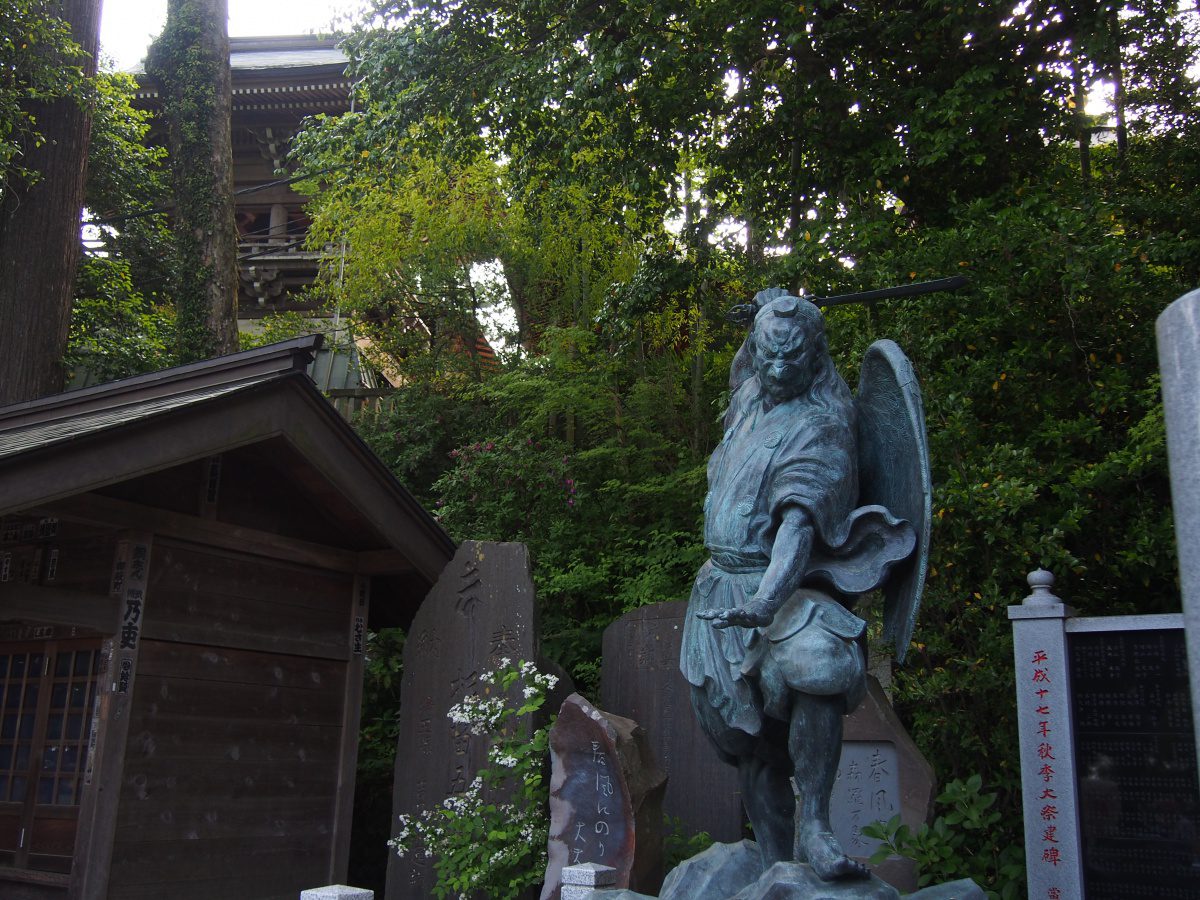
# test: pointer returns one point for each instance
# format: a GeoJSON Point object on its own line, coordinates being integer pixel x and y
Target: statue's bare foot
{"type": "Point", "coordinates": [821, 850]}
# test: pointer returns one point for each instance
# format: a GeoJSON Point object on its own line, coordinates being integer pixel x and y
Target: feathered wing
{"type": "Point", "coordinates": [893, 472]}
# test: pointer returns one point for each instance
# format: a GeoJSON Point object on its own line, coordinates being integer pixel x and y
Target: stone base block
{"type": "Point", "coordinates": [337, 892]}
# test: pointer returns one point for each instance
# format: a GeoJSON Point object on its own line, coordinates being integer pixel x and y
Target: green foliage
{"type": "Point", "coordinates": [125, 186]}
{"type": "Point", "coordinates": [122, 321]}
{"type": "Point", "coordinates": [378, 733]}
{"type": "Point", "coordinates": [679, 845]}
{"type": "Point", "coordinates": [822, 146]}
{"type": "Point", "coordinates": [1046, 440]}
{"type": "Point", "coordinates": [961, 843]}
{"type": "Point", "coordinates": [381, 704]}
{"type": "Point", "coordinates": [114, 332]}
{"type": "Point", "coordinates": [491, 838]}
{"type": "Point", "coordinates": [42, 63]}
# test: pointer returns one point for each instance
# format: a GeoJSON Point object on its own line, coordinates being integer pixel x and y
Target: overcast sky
{"type": "Point", "coordinates": [128, 26]}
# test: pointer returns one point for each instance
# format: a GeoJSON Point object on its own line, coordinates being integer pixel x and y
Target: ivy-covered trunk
{"type": "Point", "coordinates": [190, 62]}
{"type": "Point", "coordinates": [39, 228]}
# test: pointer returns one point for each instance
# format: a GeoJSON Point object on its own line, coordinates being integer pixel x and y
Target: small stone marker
{"type": "Point", "coordinates": [337, 892]}
{"type": "Point", "coordinates": [640, 679]}
{"type": "Point", "coordinates": [867, 790]}
{"type": "Point", "coordinates": [480, 612]}
{"type": "Point", "coordinates": [579, 881]}
{"type": "Point", "coordinates": [605, 800]}
{"type": "Point", "coordinates": [881, 773]}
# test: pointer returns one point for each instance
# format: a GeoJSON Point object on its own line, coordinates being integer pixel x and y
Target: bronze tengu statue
{"type": "Point", "coordinates": [815, 498]}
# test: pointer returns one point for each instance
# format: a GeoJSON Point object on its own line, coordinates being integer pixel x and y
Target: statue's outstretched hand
{"type": "Point", "coordinates": [754, 614]}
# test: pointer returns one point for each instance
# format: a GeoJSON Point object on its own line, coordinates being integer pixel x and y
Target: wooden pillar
{"type": "Point", "coordinates": [351, 713]}
{"type": "Point", "coordinates": [279, 223]}
{"type": "Point", "coordinates": [110, 724]}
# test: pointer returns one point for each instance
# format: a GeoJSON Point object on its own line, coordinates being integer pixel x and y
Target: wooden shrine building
{"type": "Point", "coordinates": [189, 562]}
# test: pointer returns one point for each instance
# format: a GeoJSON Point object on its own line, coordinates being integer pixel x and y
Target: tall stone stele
{"type": "Point", "coordinates": [479, 613]}
{"type": "Point", "coordinates": [816, 497]}
{"type": "Point", "coordinates": [1178, 330]}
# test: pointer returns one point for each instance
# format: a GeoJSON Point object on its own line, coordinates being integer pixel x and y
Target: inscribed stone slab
{"type": "Point", "coordinates": [605, 800]}
{"type": "Point", "coordinates": [1137, 779]}
{"type": "Point", "coordinates": [480, 611]}
{"type": "Point", "coordinates": [881, 773]}
{"type": "Point", "coordinates": [640, 679]}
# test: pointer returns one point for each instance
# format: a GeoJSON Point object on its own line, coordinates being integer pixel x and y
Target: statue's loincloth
{"type": "Point", "coordinates": [746, 673]}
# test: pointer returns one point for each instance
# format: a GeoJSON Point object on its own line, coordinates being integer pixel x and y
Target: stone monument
{"type": "Point", "coordinates": [640, 679]}
{"type": "Point", "coordinates": [480, 613]}
{"type": "Point", "coordinates": [815, 498]}
{"type": "Point", "coordinates": [605, 799]}
{"type": "Point", "coordinates": [1178, 333]}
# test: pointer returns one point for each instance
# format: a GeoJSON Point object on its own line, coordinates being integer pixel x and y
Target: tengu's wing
{"type": "Point", "coordinates": [893, 471]}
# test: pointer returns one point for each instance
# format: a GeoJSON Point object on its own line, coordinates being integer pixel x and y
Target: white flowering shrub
{"type": "Point", "coordinates": [491, 838]}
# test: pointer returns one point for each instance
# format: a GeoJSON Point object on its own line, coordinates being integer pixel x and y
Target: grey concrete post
{"type": "Point", "coordinates": [1178, 331]}
{"type": "Point", "coordinates": [1054, 866]}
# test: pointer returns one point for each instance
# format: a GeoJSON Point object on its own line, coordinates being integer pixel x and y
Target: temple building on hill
{"type": "Point", "coordinates": [277, 82]}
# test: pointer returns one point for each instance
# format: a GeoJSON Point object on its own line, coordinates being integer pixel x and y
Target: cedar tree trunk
{"type": "Point", "coordinates": [39, 234]}
{"type": "Point", "coordinates": [190, 62]}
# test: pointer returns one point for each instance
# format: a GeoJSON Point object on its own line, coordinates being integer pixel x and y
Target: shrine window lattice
{"type": "Point", "coordinates": [47, 698]}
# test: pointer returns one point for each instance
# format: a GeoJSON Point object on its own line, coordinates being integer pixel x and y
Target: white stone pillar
{"type": "Point", "coordinates": [1178, 332]}
{"type": "Point", "coordinates": [1053, 861]}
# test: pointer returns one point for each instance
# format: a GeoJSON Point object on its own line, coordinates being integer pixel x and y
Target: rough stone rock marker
{"type": "Point", "coordinates": [605, 799]}
{"type": "Point", "coordinates": [480, 612]}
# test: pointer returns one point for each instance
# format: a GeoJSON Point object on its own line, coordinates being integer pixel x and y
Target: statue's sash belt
{"type": "Point", "coordinates": [799, 609]}
{"type": "Point", "coordinates": [734, 564]}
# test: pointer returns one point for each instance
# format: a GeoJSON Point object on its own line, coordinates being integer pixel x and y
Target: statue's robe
{"type": "Point", "coordinates": [799, 453]}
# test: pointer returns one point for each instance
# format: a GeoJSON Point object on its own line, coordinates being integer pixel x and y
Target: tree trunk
{"type": "Point", "coordinates": [1082, 126]}
{"type": "Point", "coordinates": [39, 235]}
{"type": "Point", "coordinates": [190, 62]}
{"type": "Point", "coordinates": [1117, 71]}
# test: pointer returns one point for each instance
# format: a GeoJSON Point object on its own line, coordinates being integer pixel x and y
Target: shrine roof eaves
{"type": "Point", "coordinates": [233, 369]}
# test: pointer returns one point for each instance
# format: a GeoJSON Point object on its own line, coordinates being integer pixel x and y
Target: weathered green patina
{"type": "Point", "coordinates": [815, 498]}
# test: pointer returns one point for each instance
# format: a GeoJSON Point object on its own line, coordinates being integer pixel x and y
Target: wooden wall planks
{"type": "Point", "coordinates": [236, 738]}
{"type": "Point", "coordinates": [236, 601]}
